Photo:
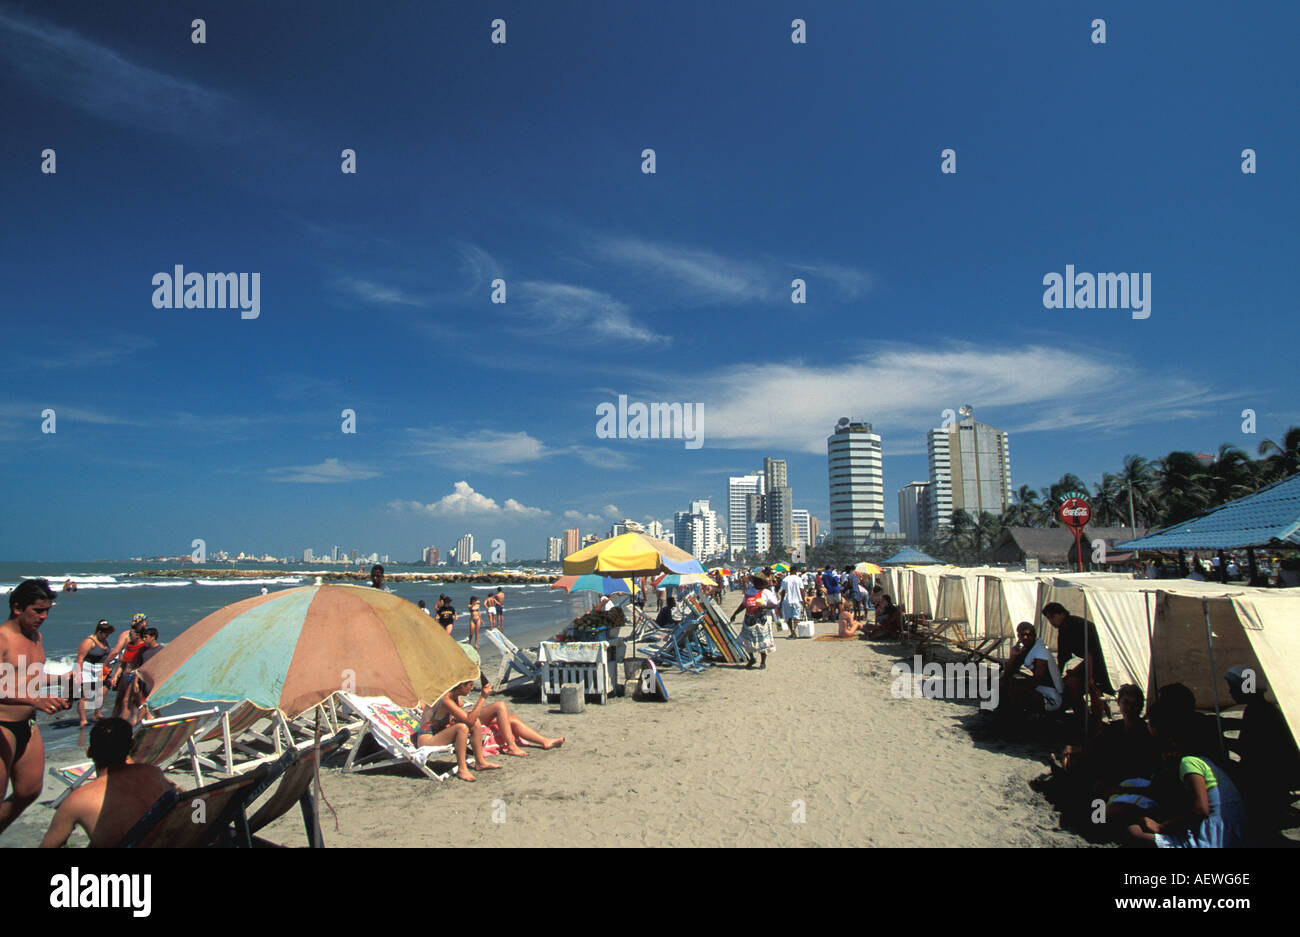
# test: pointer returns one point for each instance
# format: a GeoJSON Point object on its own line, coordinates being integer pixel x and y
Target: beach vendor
{"type": "Point", "coordinates": [756, 630]}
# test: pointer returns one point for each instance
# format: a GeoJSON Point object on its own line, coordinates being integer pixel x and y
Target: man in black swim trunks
{"type": "Point", "coordinates": [22, 754]}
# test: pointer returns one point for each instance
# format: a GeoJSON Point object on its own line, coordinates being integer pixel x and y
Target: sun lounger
{"type": "Point", "coordinates": [390, 726]}
{"type": "Point", "coordinates": [295, 770]}
{"type": "Point", "coordinates": [158, 742]}
{"type": "Point", "coordinates": [237, 732]}
{"type": "Point", "coordinates": [512, 658]}
{"type": "Point", "coordinates": [211, 815]}
{"type": "Point", "coordinates": [717, 631]}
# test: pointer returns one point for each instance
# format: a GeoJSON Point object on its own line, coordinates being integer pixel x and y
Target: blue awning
{"type": "Point", "coordinates": [1268, 518]}
{"type": "Point", "coordinates": [912, 556]}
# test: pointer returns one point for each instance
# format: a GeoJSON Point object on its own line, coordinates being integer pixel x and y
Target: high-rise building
{"type": "Point", "coordinates": [554, 549]}
{"type": "Point", "coordinates": [740, 512]}
{"type": "Point", "coordinates": [780, 502]}
{"type": "Point", "coordinates": [654, 529]}
{"type": "Point", "coordinates": [589, 540]}
{"type": "Point", "coordinates": [354, 555]}
{"type": "Point", "coordinates": [626, 526]}
{"type": "Point", "coordinates": [759, 540]}
{"type": "Point", "coordinates": [434, 555]}
{"type": "Point", "coordinates": [857, 482]}
{"type": "Point", "coordinates": [335, 555]}
{"type": "Point", "coordinates": [912, 503]}
{"type": "Point", "coordinates": [970, 470]}
{"type": "Point", "coordinates": [814, 530]}
{"type": "Point", "coordinates": [572, 541]}
{"type": "Point", "coordinates": [465, 549]}
{"type": "Point", "coordinates": [308, 555]}
{"type": "Point", "coordinates": [696, 530]}
{"type": "Point", "coordinates": [802, 526]}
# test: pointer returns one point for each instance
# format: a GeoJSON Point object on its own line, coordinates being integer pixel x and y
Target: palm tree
{"type": "Point", "coordinates": [1026, 510]}
{"type": "Point", "coordinates": [1139, 482]}
{"type": "Point", "coordinates": [1052, 497]}
{"type": "Point", "coordinates": [1282, 460]}
{"type": "Point", "coordinates": [1230, 476]}
{"type": "Point", "coordinates": [1182, 487]}
{"type": "Point", "coordinates": [1106, 497]}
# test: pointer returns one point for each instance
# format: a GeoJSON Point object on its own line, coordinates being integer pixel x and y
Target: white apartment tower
{"type": "Point", "coordinates": [857, 482]}
{"type": "Point", "coordinates": [970, 470]}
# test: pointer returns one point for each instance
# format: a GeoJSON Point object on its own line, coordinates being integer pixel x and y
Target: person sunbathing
{"type": "Point", "coordinates": [849, 626]}
{"type": "Point", "coordinates": [109, 806]}
{"type": "Point", "coordinates": [817, 607]}
{"type": "Point", "coordinates": [510, 729]}
{"type": "Point", "coordinates": [447, 723]}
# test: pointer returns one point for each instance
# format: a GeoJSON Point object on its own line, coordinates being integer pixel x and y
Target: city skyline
{"type": "Point", "coordinates": [436, 334]}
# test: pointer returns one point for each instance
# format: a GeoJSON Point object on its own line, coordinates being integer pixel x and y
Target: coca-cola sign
{"type": "Point", "coordinates": [1075, 512]}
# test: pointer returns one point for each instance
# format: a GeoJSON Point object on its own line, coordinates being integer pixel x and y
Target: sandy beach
{"type": "Point", "coordinates": [812, 751]}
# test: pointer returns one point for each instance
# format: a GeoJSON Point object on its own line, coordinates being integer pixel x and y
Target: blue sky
{"type": "Point", "coordinates": [523, 161]}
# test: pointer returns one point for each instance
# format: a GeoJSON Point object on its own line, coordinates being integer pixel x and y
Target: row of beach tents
{"type": "Point", "coordinates": [1153, 632]}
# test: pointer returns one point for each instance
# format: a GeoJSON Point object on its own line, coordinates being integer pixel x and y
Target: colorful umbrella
{"type": "Point", "coordinates": [605, 585]}
{"type": "Point", "coordinates": [781, 567]}
{"type": "Point", "coordinates": [869, 568]}
{"type": "Point", "coordinates": [293, 649]}
{"type": "Point", "coordinates": [631, 555]}
{"type": "Point", "coordinates": [683, 579]}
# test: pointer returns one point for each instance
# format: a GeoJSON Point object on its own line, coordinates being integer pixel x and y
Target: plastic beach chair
{"type": "Point", "coordinates": [211, 815]}
{"type": "Point", "coordinates": [512, 658]}
{"type": "Point", "coordinates": [158, 742]}
{"type": "Point", "coordinates": [295, 770]}
{"type": "Point", "coordinates": [391, 727]}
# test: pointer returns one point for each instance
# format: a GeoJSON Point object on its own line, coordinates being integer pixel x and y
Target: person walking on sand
{"type": "Point", "coordinates": [22, 753]}
{"type": "Point", "coordinates": [792, 600]}
{"type": "Point", "coordinates": [756, 631]}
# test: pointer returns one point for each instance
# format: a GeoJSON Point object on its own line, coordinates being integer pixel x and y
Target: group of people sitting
{"type": "Point", "coordinates": [450, 721]}
{"type": "Point", "coordinates": [1165, 780]}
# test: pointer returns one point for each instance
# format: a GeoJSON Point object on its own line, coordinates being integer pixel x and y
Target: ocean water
{"type": "Point", "coordinates": [533, 612]}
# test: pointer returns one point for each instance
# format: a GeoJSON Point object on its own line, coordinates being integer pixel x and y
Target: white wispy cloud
{"type": "Point", "coordinates": [464, 501]}
{"type": "Point", "coordinates": [581, 312]}
{"type": "Point", "coordinates": [848, 282]}
{"type": "Point", "coordinates": [482, 447]}
{"type": "Point", "coordinates": [608, 512]}
{"type": "Point", "coordinates": [99, 353]}
{"type": "Point", "coordinates": [330, 471]}
{"type": "Point", "coordinates": [62, 64]}
{"type": "Point", "coordinates": [903, 390]}
{"type": "Point", "coordinates": [372, 292]}
{"type": "Point", "coordinates": [477, 266]}
{"type": "Point", "coordinates": [702, 274]}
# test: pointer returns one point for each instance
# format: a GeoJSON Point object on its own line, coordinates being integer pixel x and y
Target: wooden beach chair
{"type": "Point", "coordinates": [158, 742]}
{"type": "Point", "coordinates": [171, 822]}
{"type": "Point", "coordinates": [679, 647]}
{"type": "Point", "coordinates": [236, 733]}
{"type": "Point", "coordinates": [296, 770]}
{"type": "Point", "coordinates": [718, 630]}
{"type": "Point", "coordinates": [390, 726]}
{"type": "Point", "coordinates": [512, 658]}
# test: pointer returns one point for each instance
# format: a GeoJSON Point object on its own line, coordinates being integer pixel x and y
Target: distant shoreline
{"type": "Point", "coordinates": [343, 576]}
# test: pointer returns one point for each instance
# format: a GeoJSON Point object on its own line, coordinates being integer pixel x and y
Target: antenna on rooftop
{"type": "Point", "coordinates": [966, 410]}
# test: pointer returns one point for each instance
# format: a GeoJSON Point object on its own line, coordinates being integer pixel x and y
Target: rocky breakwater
{"type": "Point", "coordinates": [348, 575]}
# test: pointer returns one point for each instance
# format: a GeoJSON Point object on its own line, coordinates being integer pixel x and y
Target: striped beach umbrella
{"type": "Point", "coordinates": [631, 555]}
{"type": "Point", "coordinates": [683, 579]}
{"type": "Point", "coordinates": [293, 649]}
{"type": "Point", "coordinates": [605, 585]}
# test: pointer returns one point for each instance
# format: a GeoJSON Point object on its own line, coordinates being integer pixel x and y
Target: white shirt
{"type": "Point", "coordinates": [1039, 652]}
{"type": "Point", "coordinates": [791, 590]}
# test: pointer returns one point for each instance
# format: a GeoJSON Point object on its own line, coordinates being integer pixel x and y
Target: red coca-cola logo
{"type": "Point", "coordinates": [1076, 512]}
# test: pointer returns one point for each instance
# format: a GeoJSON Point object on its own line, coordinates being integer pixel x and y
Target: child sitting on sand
{"type": "Point", "coordinates": [849, 626]}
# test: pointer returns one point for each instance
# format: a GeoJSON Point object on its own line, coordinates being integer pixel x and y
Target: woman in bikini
{"type": "Point", "coordinates": [446, 722]}
{"type": "Point", "coordinates": [91, 654]}
{"type": "Point", "coordinates": [475, 619]}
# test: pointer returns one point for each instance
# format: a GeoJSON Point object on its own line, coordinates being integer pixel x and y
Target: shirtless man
{"type": "Point", "coordinates": [501, 607]}
{"type": "Point", "coordinates": [22, 753]}
{"type": "Point", "coordinates": [107, 807]}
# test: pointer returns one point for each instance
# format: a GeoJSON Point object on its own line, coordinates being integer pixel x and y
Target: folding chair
{"type": "Point", "coordinates": [211, 815]}
{"type": "Point", "coordinates": [391, 727]}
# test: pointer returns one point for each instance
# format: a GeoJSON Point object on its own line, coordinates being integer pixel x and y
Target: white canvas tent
{"type": "Point", "coordinates": [1009, 599]}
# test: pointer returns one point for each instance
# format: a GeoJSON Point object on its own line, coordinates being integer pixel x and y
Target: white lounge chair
{"type": "Point", "coordinates": [236, 731]}
{"type": "Point", "coordinates": [512, 658]}
{"type": "Point", "coordinates": [391, 727]}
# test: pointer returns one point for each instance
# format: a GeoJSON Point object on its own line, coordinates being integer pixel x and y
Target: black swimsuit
{"type": "Point", "coordinates": [22, 731]}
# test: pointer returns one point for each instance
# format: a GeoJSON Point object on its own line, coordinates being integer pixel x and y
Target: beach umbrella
{"type": "Point", "coordinates": [292, 650]}
{"type": "Point", "coordinates": [683, 579]}
{"type": "Point", "coordinates": [605, 585]}
{"type": "Point", "coordinates": [631, 555]}
{"type": "Point", "coordinates": [870, 569]}
{"type": "Point", "coordinates": [781, 568]}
